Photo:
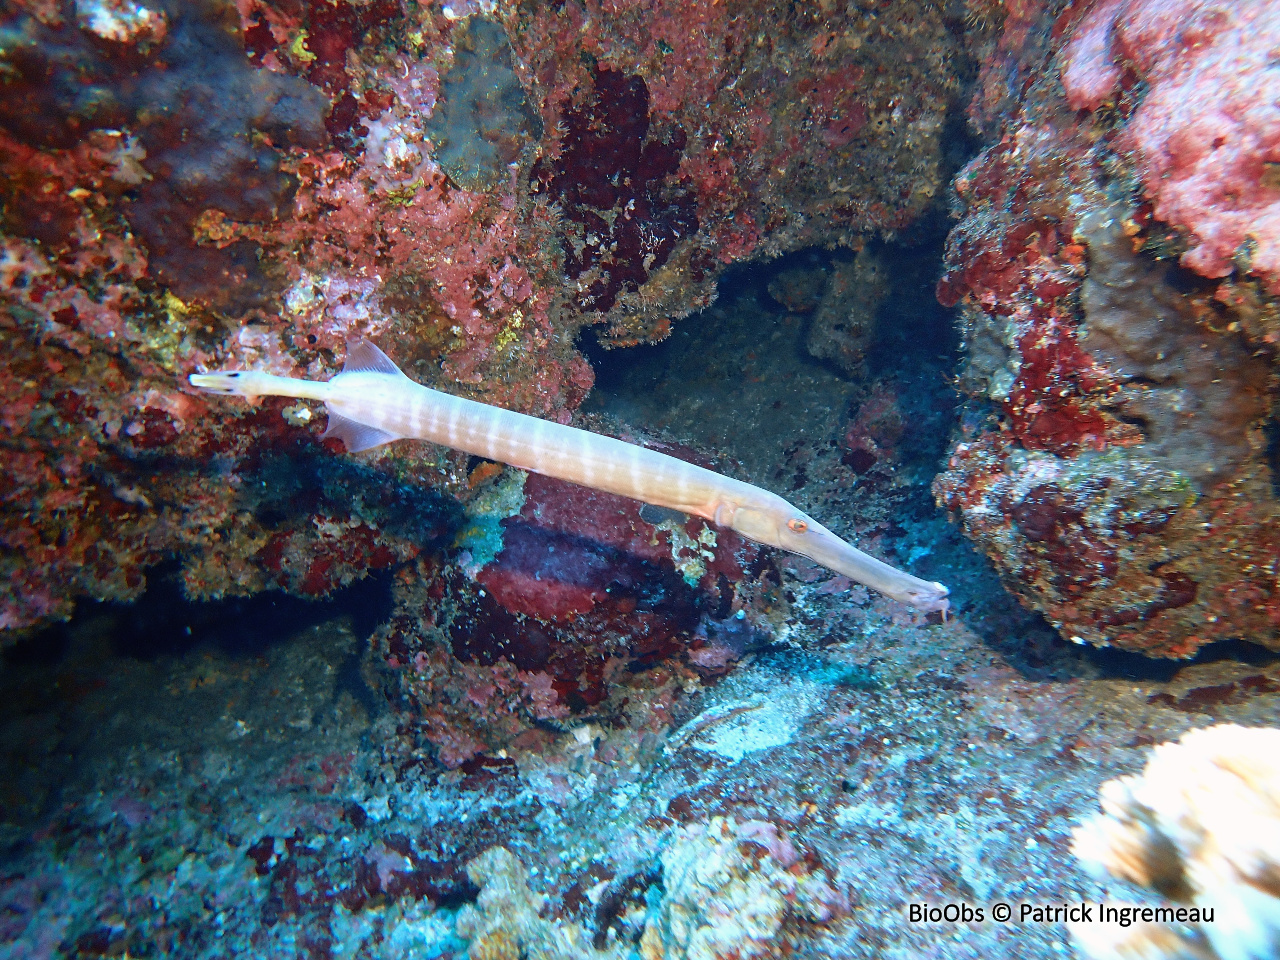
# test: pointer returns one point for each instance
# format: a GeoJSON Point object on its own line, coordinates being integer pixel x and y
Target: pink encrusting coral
{"type": "Point", "coordinates": [1089, 70]}
{"type": "Point", "coordinates": [1205, 137]}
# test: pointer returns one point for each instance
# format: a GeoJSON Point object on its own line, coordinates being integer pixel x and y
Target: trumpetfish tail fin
{"type": "Point", "coordinates": [227, 383]}
{"type": "Point", "coordinates": [256, 383]}
{"type": "Point", "coordinates": [362, 357]}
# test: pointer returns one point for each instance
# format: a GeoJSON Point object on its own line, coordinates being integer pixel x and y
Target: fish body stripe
{"type": "Point", "coordinates": [412, 411]}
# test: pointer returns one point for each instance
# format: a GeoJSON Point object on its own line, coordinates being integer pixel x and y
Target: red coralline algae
{"type": "Point", "coordinates": [563, 530]}
{"type": "Point", "coordinates": [609, 181]}
{"type": "Point", "coordinates": [448, 262]}
{"type": "Point", "coordinates": [1054, 404]}
{"type": "Point", "coordinates": [1019, 270]}
{"type": "Point", "coordinates": [1206, 131]}
{"type": "Point", "coordinates": [557, 538]}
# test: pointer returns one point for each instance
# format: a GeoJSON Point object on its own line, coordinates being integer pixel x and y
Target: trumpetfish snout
{"type": "Point", "coordinates": [371, 402]}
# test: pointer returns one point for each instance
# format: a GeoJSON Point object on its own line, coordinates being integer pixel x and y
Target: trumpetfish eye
{"type": "Point", "coordinates": [796, 525]}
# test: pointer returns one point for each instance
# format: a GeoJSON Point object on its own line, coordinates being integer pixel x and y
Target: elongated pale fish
{"type": "Point", "coordinates": [371, 402]}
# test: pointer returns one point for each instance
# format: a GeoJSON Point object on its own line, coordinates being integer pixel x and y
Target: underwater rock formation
{"type": "Point", "coordinates": [195, 185]}
{"type": "Point", "coordinates": [614, 186]}
{"type": "Point", "coordinates": [197, 126]}
{"type": "Point", "coordinates": [1114, 463]}
{"type": "Point", "coordinates": [745, 129]}
{"type": "Point", "coordinates": [564, 601]}
{"type": "Point", "coordinates": [1205, 135]}
{"type": "Point", "coordinates": [483, 121]}
{"type": "Point", "coordinates": [724, 892]}
{"type": "Point", "coordinates": [843, 326]}
{"type": "Point", "coordinates": [728, 889]}
{"type": "Point", "coordinates": [839, 305]}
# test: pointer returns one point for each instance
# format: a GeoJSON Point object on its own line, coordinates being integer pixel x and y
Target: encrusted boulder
{"type": "Point", "coordinates": [1115, 461]}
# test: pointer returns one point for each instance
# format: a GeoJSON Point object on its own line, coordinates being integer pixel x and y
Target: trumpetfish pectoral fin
{"type": "Point", "coordinates": [362, 357]}
{"type": "Point", "coordinates": [356, 436]}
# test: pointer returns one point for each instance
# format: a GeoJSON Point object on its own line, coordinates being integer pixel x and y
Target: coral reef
{"type": "Point", "coordinates": [698, 748]}
{"type": "Point", "coordinates": [505, 924]}
{"type": "Point", "coordinates": [566, 601]}
{"type": "Point", "coordinates": [1200, 825]}
{"type": "Point", "coordinates": [1114, 461]}
{"type": "Point", "coordinates": [610, 181]}
{"type": "Point", "coordinates": [216, 797]}
{"type": "Point", "coordinates": [109, 297]}
{"type": "Point", "coordinates": [245, 790]}
{"type": "Point", "coordinates": [1205, 137]}
{"type": "Point", "coordinates": [205, 129]}
{"type": "Point", "coordinates": [745, 129]}
{"type": "Point", "coordinates": [191, 185]}
{"type": "Point", "coordinates": [728, 888]}
{"type": "Point", "coordinates": [725, 890]}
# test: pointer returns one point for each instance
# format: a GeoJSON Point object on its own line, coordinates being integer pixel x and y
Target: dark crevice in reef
{"type": "Point", "coordinates": [912, 332]}
{"type": "Point", "coordinates": [824, 374]}
{"type": "Point", "coordinates": [1032, 646]}
{"type": "Point", "coordinates": [960, 142]}
{"type": "Point", "coordinates": [818, 348]}
{"type": "Point", "coordinates": [164, 623]}
{"type": "Point", "coordinates": [1111, 662]}
{"type": "Point", "coordinates": [1272, 432]}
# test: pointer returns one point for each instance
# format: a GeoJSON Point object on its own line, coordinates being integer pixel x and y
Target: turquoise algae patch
{"type": "Point", "coordinates": [481, 536]}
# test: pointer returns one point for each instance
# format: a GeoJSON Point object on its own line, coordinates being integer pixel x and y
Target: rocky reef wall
{"type": "Point", "coordinates": [188, 186]}
{"type": "Point", "coordinates": [1117, 301]}
{"type": "Point", "coordinates": [196, 185]}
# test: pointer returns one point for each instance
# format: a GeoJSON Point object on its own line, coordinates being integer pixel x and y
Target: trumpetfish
{"type": "Point", "coordinates": [372, 402]}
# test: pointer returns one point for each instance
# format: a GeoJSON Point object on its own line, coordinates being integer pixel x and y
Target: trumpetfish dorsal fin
{"type": "Point", "coordinates": [364, 357]}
